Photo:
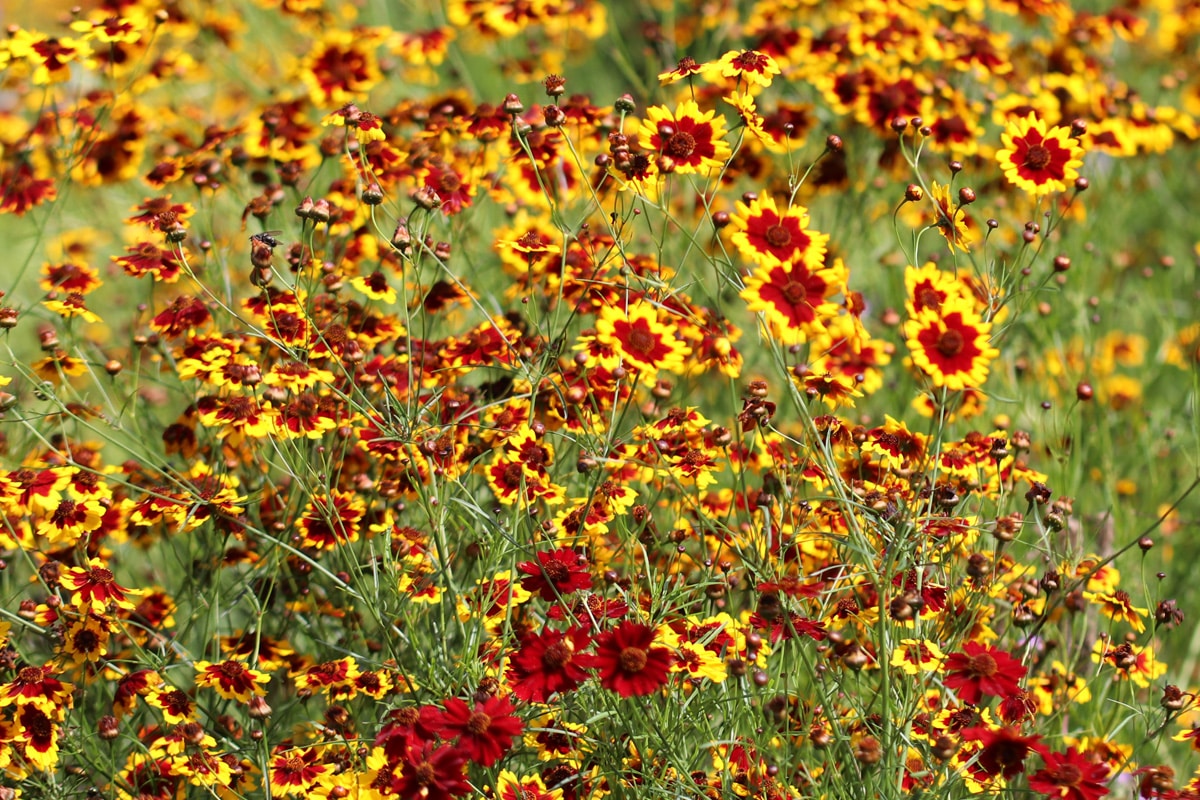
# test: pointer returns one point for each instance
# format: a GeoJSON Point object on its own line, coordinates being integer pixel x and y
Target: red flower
{"type": "Point", "coordinates": [431, 774]}
{"type": "Point", "coordinates": [1070, 776]}
{"type": "Point", "coordinates": [485, 733]}
{"type": "Point", "coordinates": [626, 661]}
{"type": "Point", "coordinates": [407, 728]}
{"type": "Point", "coordinates": [546, 664]}
{"type": "Point", "coordinates": [21, 189]}
{"type": "Point", "coordinates": [981, 670]}
{"type": "Point", "coordinates": [1004, 750]}
{"type": "Point", "coordinates": [184, 314]}
{"type": "Point", "coordinates": [556, 574]}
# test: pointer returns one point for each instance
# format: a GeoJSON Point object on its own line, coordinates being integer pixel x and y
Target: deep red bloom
{"type": "Point", "coordinates": [627, 662]}
{"type": "Point", "coordinates": [1070, 776]}
{"type": "Point", "coordinates": [408, 727]}
{"type": "Point", "coordinates": [1004, 750]}
{"type": "Point", "coordinates": [486, 732]}
{"type": "Point", "coordinates": [556, 574]}
{"type": "Point", "coordinates": [546, 664]}
{"type": "Point", "coordinates": [432, 774]}
{"type": "Point", "coordinates": [981, 670]}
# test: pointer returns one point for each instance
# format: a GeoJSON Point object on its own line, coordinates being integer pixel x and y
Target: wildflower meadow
{"type": "Point", "coordinates": [569, 399]}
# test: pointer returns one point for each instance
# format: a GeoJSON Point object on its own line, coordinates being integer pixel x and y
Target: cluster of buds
{"type": "Point", "coordinates": [555, 85]}
{"type": "Point", "coordinates": [262, 246]}
{"type": "Point", "coordinates": [756, 409]}
{"type": "Point", "coordinates": [317, 211]}
{"type": "Point", "coordinates": [902, 124]}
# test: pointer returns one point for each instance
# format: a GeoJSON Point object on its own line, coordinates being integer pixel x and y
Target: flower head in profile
{"type": "Point", "coordinates": [751, 66]}
{"type": "Point", "coordinates": [231, 679]}
{"type": "Point", "coordinates": [1118, 605]}
{"type": "Point", "coordinates": [951, 345]}
{"type": "Point", "coordinates": [1038, 160]}
{"type": "Point", "coordinates": [94, 587]}
{"type": "Point", "coordinates": [685, 140]}
{"type": "Point", "coordinates": [951, 220]}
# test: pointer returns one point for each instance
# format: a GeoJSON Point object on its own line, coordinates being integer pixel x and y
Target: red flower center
{"type": "Point", "coordinates": [100, 575]}
{"type": "Point", "coordinates": [680, 145]}
{"type": "Point", "coordinates": [556, 656]}
{"type": "Point", "coordinates": [633, 659]}
{"type": "Point", "coordinates": [86, 641]}
{"type": "Point", "coordinates": [478, 723]}
{"type": "Point", "coordinates": [294, 764]}
{"type": "Point", "coordinates": [556, 571]}
{"type": "Point", "coordinates": [64, 513]}
{"type": "Point", "coordinates": [982, 665]}
{"type": "Point", "coordinates": [424, 773]}
{"type": "Point", "coordinates": [231, 669]}
{"type": "Point", "coordinates": [1066, 775]}
{"type": "Point", "coordinates": [513, 474]}
{"type": "Point", "coordinates": [778, 236]}
{"type": "Point", "coordinates": [30, 675]}
{"type": "Point", "coordinates": [750, 61]}
{"type": "Point", "coordinates": [950, 343]}
{"type": "Point", "coordinates": [641, 341]}
{"type": "Point", "coordinates": [928, 298]}
{"type": "Point", "coordinates": [796, 293]}
{"type": "Point", "coordinates": [1037, 157]}
{"type": "Point", "coordinates": [530, 239]}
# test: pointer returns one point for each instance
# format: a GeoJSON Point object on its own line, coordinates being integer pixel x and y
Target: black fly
{"type": "Point", "coordinates": [267, 238]}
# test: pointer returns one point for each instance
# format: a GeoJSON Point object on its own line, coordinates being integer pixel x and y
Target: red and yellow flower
{"type": "Point", "coordinates": [794, 298]}
{"type": "Point", "coordinates": [644, 342]}
{"type": "Point", "coordinates": [231, 679]}
{"type": "Point", "coordinates": [769, 238]}
{"type": "Point", "coordinates": [1038, 160]}
{"type": "Point", "coordinates": [295, 771]}
{"type": "Point", "coordinates": [685, 140]}
{"type": "Point", "coordinates": [951, 346]}
{"type": "Point", "coordinates": [94, 587]}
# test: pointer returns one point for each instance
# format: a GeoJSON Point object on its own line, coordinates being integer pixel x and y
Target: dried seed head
{"type": "Point", "coordinates": [513, 105]}
{"type": "Point", "coordinates": [554, 116]}
{"type": "Point", "coordinates": [555, 85]}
